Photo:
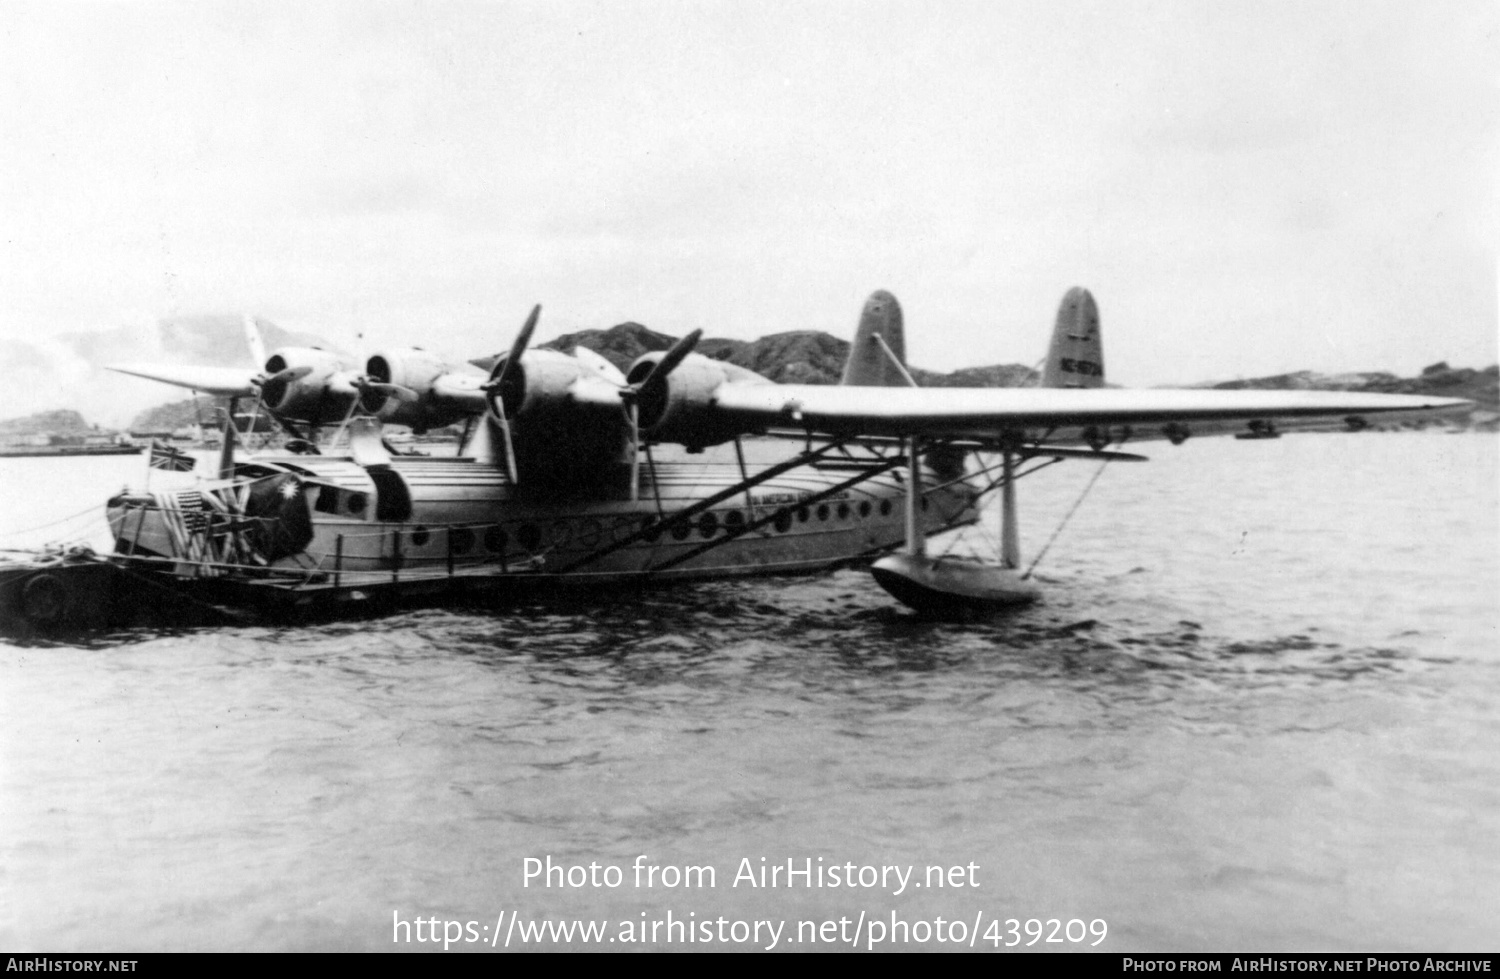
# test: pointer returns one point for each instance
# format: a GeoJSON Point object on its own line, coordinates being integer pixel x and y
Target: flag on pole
{"type": "Point", "coordinates": [170, 458]}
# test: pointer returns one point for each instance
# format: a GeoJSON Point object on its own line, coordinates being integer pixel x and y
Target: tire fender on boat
{"type": "Point", "coordinates": [45, 599]}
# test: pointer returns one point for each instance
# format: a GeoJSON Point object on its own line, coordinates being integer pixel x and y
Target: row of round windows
{"type": "Point", "coordinates": [590, 532]}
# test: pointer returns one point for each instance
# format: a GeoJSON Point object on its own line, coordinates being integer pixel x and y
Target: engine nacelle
{"type": "Point", "coordinates": [540, 389]}
{"type": "Point", "coordinates": [322, 395]}
{"type": "Point", "coordinates": [565, 419]}
{"type": "Point", "coordinates": [678, 408]}
{"type": "Point", "coordinates": [443, 395]}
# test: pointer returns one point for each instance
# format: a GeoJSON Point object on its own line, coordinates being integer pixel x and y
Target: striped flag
{"type": "Point", "coordinates": [170, 458]}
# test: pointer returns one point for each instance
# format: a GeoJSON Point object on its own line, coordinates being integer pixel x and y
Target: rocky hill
{"type": "Point", "coordinates": [796, 357]}
{"type": "Point", "coordinates": [62, 422]}
{"type": "Point", "coordinates": [175, 415]}
{"type": "Point", "coordinates": [1439, 380]}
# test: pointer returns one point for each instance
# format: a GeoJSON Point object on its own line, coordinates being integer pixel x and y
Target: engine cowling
{"type": "Point", "coordinates": [679, 407]}
{"type": "Point", "coordinates": [323, 394]}
{"type": "Point", "coordinates": [539, 388]}
{"type": "Point", "coordinates": [565, 419]}
{"type": "Point", "coordinates": [444, 395]}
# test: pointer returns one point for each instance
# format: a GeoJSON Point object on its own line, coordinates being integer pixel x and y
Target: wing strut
{"type": "Point", "coordinates": [916, 542]}
{"type": "Point", "coordinates": [1010, 528]}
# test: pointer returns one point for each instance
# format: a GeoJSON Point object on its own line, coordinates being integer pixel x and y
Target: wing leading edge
{"type": "Point", "coordinates": [985, 413]}
{"type": "Point", "coordinates": [227, 382]}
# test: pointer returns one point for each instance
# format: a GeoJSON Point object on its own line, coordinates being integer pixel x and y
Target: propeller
{"type": "Point", "coordinates": [365, 383]}
{"type": "Point", "coordinates": [500, 374]}
{"type": "Point", "coordinates": [631, 396]}
{"type": "Point", "coordinates": [276, 383]}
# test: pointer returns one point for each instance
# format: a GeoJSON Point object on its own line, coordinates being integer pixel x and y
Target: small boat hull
{"type": "Point", "coordinates": [942, 585]}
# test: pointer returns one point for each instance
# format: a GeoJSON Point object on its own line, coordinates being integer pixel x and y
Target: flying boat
{"type": "Point", "coordinates": [571, 472]}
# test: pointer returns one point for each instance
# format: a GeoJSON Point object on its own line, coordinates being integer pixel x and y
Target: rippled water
{"type": "Point", "coordinates": [1256, 712]}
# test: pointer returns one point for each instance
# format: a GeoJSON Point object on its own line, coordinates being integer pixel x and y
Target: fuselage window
{"type": "Point", "coordinates": [421, 536]}
{"type": "Point", "coordinates": [783, 521]}
{"type": "Point", "coordinates": [495, 539]}
{"type": "Point", "coordinates": [822, 511]}
{"type": "Point", "coordinates": [843, 511]}
{"type": "Point", "coordinates": [529, 536]}
{"type": "Point", "coordinates": [803, 514]}
{"type": "Point", "coordinates": [864, 508]}
{"type": "Point", "coordinates": [708, 524]}
{"type": "Point", "coordinates": [461, 540]}
{"type": "Point", "coordinates": [885, 508]}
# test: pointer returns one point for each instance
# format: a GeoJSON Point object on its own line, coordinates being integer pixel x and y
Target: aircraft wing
{"type": "Point", "coordinates": [226, 382]}
{"type": "Point", "coordinates": [1056, 414]}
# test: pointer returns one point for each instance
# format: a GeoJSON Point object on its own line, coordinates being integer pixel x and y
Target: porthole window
{"type": "Point", "coordinates": [421, 536]}
{"type": "Point", "coordinates": [885, 508]}
{"type": "Point", "coordinates": [803, 514]}
{"type": "Point", "coordinates": [925, 504]}
{"type": "Point", "coordinates": [734, 519]}
{"type": "Point", "coordinates": [461, 540]}
{"type": "Point", "coordinates": [652, 529]}
{"type": "Point", "coordinates": [783, 521]}
{"type": "Point", "coordinates": [495, 539]}
{"type": "Point", "coordinates": [823, 511]}
{"type": "Point", "coordinates": [843, 511]}
{"type": "Point", "coordinates": [681, 530]}
{"type": "Point", "coordinates": [864, 508]}
{"type": "Point", "coordinates": [356, 503]}
{"type": "Point", "coordinates": [708, 524]}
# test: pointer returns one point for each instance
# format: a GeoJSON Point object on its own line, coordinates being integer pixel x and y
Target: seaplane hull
{"type": "Point", "coordinates": [459, 515]}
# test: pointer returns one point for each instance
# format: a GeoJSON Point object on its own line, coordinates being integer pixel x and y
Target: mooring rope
{"type": "Point", "coordinates": [61, 520]}
{"type": "Point", "coordinates": [1066, 517]}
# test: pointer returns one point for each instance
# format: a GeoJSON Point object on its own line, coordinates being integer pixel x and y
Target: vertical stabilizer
{"type": "Point", "coordinates": [873, 363]}
{"type": "Point", "coordinates": [1076, 357]}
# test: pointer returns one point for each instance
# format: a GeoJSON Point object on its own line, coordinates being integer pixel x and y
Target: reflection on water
{"type": "Point", "coordinates": [1255, 711]}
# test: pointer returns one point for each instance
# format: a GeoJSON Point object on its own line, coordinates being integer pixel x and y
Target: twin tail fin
{"type": "Point", "coordinates": [1075, 358]}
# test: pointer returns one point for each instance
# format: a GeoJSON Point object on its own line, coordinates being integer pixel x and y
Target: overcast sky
{"type": "Point", "coordinates": [1247, 188]}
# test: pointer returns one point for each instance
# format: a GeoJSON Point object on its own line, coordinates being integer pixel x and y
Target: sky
{"type": "Point", "coordinates": [1246, 187]}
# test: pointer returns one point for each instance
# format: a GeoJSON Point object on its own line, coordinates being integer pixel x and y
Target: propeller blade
{"type": "Point", "coordinates": [522, 341]}
{"type": "Point", "coordinates": [285, 377]}
{"type": "Point", "coordinates": [510, 449]}
{"type": "Point", "coordinates": [254, 340]}
{"type": "Point", "coordinates": [396, 391]}
{"type": "Point", "coordinates": [672, 358]}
